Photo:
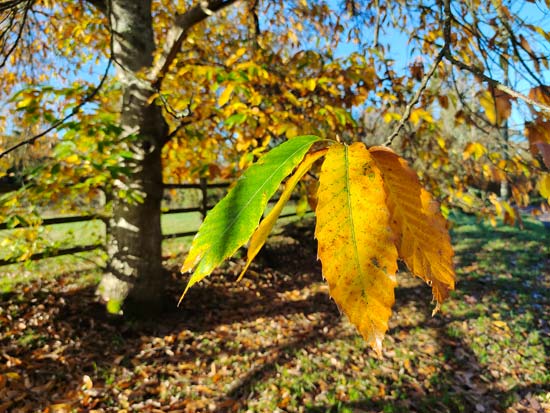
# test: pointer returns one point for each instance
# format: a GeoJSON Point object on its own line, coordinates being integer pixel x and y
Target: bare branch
{"type": "Point", "coordinates": [426, 78]}
{"type": "Point", "coordinates": [101, 5]}
{"type": "Point", "coordinates": [27, 7]}
{"type": "Point", "coordinates": [177, 34]}
{"type": "Point", "coordinates": [186, 122]}
{"type": "Point", "coordinates": [60, 122]}
{"type": "Point", "coordinates": [11, 4]}
{"type": "Point", "coordinates": [416, 98]}
{"type": "Point", "coordinates": [376, 25]}
{"type": "Point", "coordinates": [496, 84]}
{"type": "Point", "coordinates": [478, 72]}
{"type": "Point", "coordinates": [254, 11]}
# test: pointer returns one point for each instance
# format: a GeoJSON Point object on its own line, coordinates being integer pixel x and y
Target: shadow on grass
{"type": "Point", "coordinates": [52, 337]}
{"type": "Point", "coordinates": [505, 278]}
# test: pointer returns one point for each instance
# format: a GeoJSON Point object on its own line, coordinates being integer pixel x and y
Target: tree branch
{"type": "Point", "coordinates": [101, 5]}
{"type": "Point", "coordinates": [11, 4]}
{"type": "Point", "coordinates": [426, 78]}
{"type": "Point", "coordinates": [177, 34]}
{"type": "Point", "coordinates": [376, 25]}
{"type": "Point", "coordinates": [27, 7]}
{"type": "Point", "coordinates": [478, 72]}
{"type": "Point", "coordinates": [87, 98]}
{"type": "Point", "coordinates": [416, 98]}
{"type": "Point", "coordinates": [60, 122]}
{"type": "Point", "coordinates": [496, 84]}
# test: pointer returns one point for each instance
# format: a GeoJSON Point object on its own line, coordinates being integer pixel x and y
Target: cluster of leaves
{"type": "Point", "coordinates": [78, 174]}
{"type": "Point", "coordinates": [466, 153]}
{"type": "Point", "coordinates": [371, 210]}
{"type": "Point", "coordinates": [237, 89]}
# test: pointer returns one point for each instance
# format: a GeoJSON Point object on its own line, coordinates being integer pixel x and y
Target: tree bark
{"type": "Point", "coordinates": [135, 277]}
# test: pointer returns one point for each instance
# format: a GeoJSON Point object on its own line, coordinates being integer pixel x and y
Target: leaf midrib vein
{"type": "Point", "coordinates": [348, 194]}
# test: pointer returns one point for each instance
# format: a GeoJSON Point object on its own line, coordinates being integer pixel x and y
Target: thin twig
{"type": "Point", "coordinates": [447, 18]}
{"type": "Point", "coordinates": [178, 33]}
{"type": "Point", "coordinates": [496, 84]}
{"type": "Point", "coordinates": [376, 25]}
{"type": "Point", "coordinates": [10, 4]}
{"type": "Point", "coordinates": [479, 73]}
{"type": "Point", "coordinates": [186, 122]}
{"type": "Point", "coordinates": [19, 34]}
{"type": "Point", "coordinates": [416, 98]}
{"type": "Point", "coordinates": [77, 108]}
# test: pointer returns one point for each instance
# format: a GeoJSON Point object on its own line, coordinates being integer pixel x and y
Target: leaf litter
{"type": "Point", "coordinates": [276, 342]}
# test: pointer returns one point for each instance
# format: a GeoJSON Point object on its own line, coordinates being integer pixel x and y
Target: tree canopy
{"type": "Point", "coordinates": [106, 100]}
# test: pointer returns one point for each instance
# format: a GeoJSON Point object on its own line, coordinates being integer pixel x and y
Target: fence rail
{"type": "Point", "coordinates": [203, 209]}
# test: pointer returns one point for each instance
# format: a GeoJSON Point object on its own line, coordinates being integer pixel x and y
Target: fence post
{"type": "Point", "coordinates": [204, 193]}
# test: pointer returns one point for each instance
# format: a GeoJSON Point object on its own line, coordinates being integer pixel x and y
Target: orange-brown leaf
{"type": "Point", "coordinates": [537, 132]}
{"type": "Point", "coordinates": [497, 105]}
{"type": "Point", "coordinates": [540, 94]}
{"type": "Point", "coordinates": [356, 244]}
{"type": "Point", "coordinates": [423, 240]}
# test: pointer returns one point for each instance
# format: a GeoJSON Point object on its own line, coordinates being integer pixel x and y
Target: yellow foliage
{"type": "Point", "coordinates": [420, 114]}
{"type": "Point", "coordinates": [226, 94]}
{"type": "Point", "coordinates": [423, 240]}
{"type": "Point", "coordinates": [475, 149]}
{"type": "Point", "coordinates": [497, 106]}
{"type": "Point", "coordinates": [390, 116]}
{"type": "Point", "coordinates": [356, 245]}
{"type": "Point", "coordinates": [236, 56]}
{"type": "Point", "coordinates": [544, 186]}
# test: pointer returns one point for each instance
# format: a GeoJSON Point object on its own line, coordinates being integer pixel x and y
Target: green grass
{"type": "Point", "coordinates": [73, 234]}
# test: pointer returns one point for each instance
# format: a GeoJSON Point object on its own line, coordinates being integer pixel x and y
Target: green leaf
{"type": "Point", "coordinates": [235, 119]}
{"type": "Point", "coordinates": [64, 149]}
{"type": "Point", "coordinates": [230, 224]}
{"type": "Point", "coordinates": [260, 235]}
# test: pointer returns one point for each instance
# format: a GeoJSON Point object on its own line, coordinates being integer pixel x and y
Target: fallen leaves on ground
{"type": "Point", "coordinates": [276, 342]}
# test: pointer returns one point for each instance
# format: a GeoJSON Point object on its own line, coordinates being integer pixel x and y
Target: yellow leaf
{"type": "Point", "coordinates": [473, 148]}
{"type": "Point", "coordinates": [496, 203]}
{"type": "Point", "coordinates": [292, 131]}
{"type": "Point", "coordinates": [497, 106]}
{"type": "Point", "coordinates": [310, 84]}
{"type": "Point", "coordinates": [238, 54]}
{"type": "Point", "coordinates": [226, 94]}
{"type": "Point", "coordinates": [356, 245]}
{"type": "Point", "coordinates": [423, 239]}
{"type": "Point", "coordinates": [72, 159]}
{"type": "Point", "coordinates": [60, 408]}
{"type": "Point", "coordinates": [26, 102]}
{"type": "Point", "coordinates": [291, 98]}
{"type": "Point", "coordinates": [420, 114]}
{"type": "Point", "coordinates": [544, 186]}
{"type": "Point", "coordinates": [260, 235]}
{"type": "Point", "coordinates": [508, 210]}
{"type": "Point", "coordinates": [390, 116]}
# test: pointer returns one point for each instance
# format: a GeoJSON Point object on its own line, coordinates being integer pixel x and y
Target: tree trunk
{"type": "Point", "coordinates": [134, 280]}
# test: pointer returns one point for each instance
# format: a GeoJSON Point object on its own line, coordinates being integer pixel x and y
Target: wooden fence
{"type": "Point", "coordinates": [203, 208]}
